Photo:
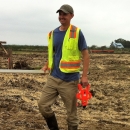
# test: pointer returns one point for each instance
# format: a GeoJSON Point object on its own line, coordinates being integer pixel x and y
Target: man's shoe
{"type": "Point", "coordinates": [72, 127]}
{"type": "Point", "coordinates": [52, 123]}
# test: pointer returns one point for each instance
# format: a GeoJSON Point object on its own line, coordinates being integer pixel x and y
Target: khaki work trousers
{"type": "Point", "coordinates": [67, 91]}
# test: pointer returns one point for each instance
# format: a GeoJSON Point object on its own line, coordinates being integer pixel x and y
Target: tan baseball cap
{"type": "Point", "coordinates": [66, 9]}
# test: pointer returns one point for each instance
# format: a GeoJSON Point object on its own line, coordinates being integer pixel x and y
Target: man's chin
{"type": "Point", "coordinates": [62, 23]}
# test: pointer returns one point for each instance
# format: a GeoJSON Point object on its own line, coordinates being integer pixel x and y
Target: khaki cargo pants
{"type": "Point", "coordinates": [67, 91]}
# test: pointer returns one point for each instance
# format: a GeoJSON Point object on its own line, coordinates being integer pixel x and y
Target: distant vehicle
{"type": "Point", "coordinates": [116, 45]}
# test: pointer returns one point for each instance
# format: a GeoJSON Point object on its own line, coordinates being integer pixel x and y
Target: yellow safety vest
{"type": "Point", "coordinates": [71, 55]}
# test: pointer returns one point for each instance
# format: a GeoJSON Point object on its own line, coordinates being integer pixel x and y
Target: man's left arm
{"type": "Point", "coordinates": [84, 77]}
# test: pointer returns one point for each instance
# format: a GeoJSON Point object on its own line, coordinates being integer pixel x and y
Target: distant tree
{"type": "Point", "coordinates": [112, 42]}
{"type": "Point", "coordinates": [103, 47]}
{"type": "Point", "coordinates": [111, 45]}
{"type": "Point", "coordinates": [93, 47]}
{"type": "Point", "coordinates": [125, 43]}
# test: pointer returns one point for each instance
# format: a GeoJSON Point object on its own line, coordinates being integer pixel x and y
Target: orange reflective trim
{"type": "Point", "coordinates": [50, 34]}
{"type": "Point", "coordinates": [73, 30]}
{"type": "Point", "coordinates": [70, 35]}
{"type": "Point", "coordinates": [70, 62]}
{"type": "Point", "coordinates": [70, 65]}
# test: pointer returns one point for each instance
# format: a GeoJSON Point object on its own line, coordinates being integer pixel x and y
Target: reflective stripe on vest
{"type": "Point", "coordinates": [70, 65]}
{"type": "Point", "coordinates": [50, 34]}
{"type": "Point", "coordinates": [73, 31]}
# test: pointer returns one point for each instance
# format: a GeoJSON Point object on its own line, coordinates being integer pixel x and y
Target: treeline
{"type": "Point", "coordinates": [125, 43]}
{"type": "Point", "coordinates": [26, 47]}
{"type": "Point", "coordinates": [40, 48]}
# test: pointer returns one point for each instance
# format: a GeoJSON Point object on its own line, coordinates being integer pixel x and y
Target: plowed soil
{"type": "Point", "coordinates": [109, 109]}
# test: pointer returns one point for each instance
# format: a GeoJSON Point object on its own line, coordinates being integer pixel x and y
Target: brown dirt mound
{"type": "Point", "coordinates": [109, 109]}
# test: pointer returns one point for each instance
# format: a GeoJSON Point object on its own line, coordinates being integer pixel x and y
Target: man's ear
{"type": "Point", "coordinates": [72, 15]}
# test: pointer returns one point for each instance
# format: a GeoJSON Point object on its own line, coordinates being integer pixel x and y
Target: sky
{"type": "Point", "coordinates": [27, 22]}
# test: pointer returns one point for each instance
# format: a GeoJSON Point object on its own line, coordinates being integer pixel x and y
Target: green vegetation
{"type": "Point", "coordinates": [26, 48]}
{"type": "Point", "coordinates": [125, 50]}
{"type": "Point", "coordinates": [116, 50]}
{"type": "Point", "coordinates": [19, 49]}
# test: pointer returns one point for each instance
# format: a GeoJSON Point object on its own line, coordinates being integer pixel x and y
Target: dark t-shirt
{"type": "Point", "coordinates": [58, 37]}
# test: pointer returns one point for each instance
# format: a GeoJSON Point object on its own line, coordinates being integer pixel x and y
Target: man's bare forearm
{"type": "Point", "coordinates": [85, 63]}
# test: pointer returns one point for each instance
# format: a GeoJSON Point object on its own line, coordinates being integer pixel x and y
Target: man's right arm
{"type": "Point", "coordinates": [45, 67]}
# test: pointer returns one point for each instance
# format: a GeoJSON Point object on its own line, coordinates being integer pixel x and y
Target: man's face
{"type": "Point", "coordinates": [65, 18]}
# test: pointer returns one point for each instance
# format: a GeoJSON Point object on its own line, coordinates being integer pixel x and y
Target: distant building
{"type": "Point", "coordinates": [116, 45]}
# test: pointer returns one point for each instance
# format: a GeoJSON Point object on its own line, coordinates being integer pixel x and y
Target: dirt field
{"type": "Point", "coordinates": [109, 109]}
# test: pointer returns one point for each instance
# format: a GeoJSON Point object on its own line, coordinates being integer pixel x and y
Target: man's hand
{"type": "Point", "coordinates": [84, 81]}
{"type": "Point", "coordinates": [44, 68]}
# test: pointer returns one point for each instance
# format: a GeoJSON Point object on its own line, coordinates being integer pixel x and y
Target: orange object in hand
{"type": "Point", "coordinates": [83, 94]}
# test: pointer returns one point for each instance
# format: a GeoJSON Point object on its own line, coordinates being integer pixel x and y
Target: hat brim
{"type": "Point", "coordinates": [62, 10]}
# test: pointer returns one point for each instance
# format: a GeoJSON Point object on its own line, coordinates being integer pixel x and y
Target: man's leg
{"type": "Point", "coordinates": [72, 127]}
{"type": "Point", "coordinates": [48, 97]}
{"type": "Point", "coordinates": [68, 92]}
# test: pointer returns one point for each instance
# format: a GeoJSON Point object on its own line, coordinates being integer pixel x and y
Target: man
{"type": "Point", "coordinates": [65, 44]}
